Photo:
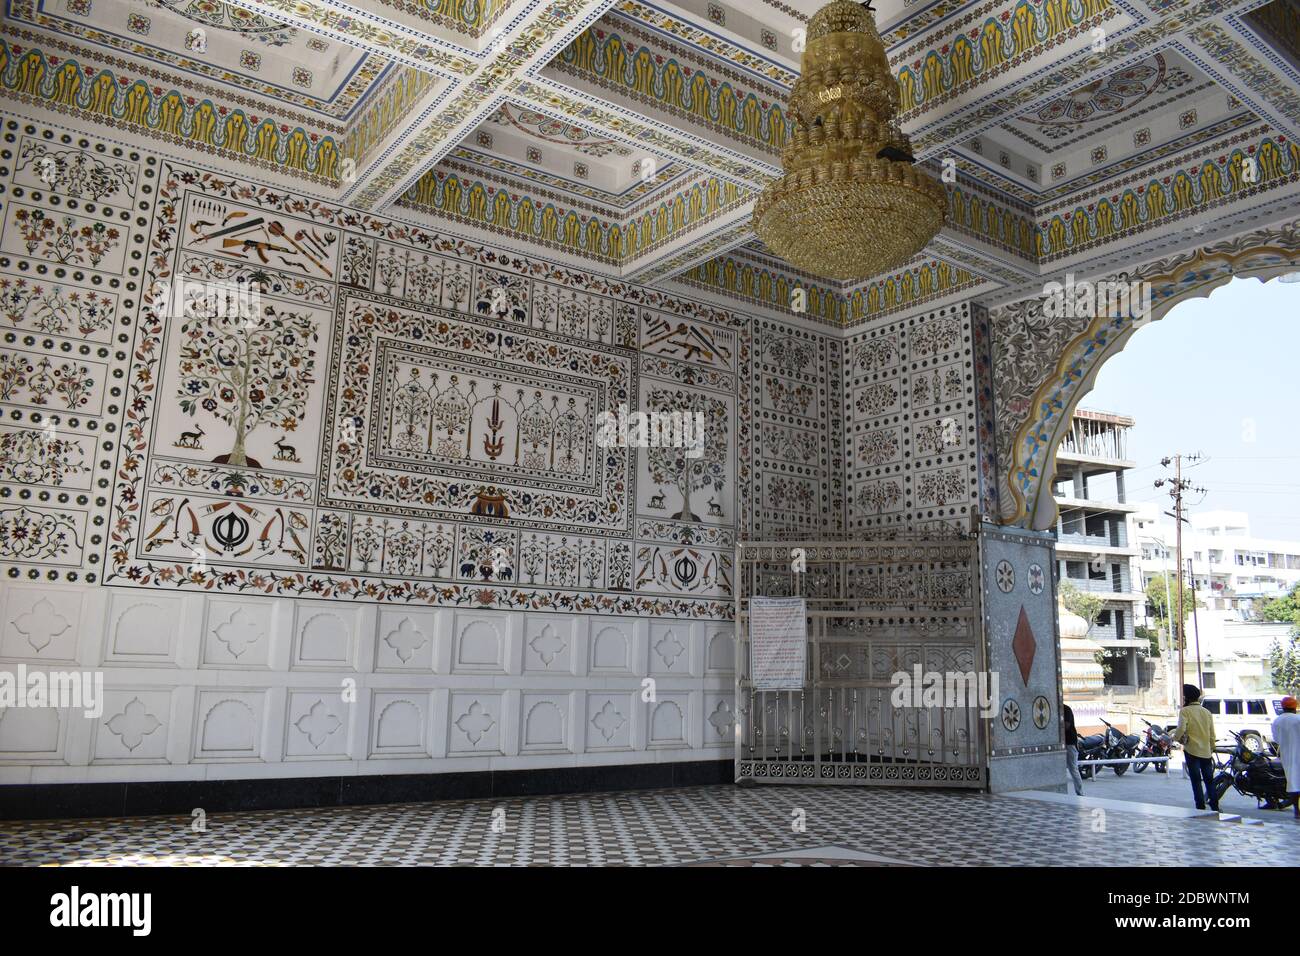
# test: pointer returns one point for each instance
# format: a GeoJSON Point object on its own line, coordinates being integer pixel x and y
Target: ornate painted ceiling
{"type": "Point", "coordinates": [630, 138]}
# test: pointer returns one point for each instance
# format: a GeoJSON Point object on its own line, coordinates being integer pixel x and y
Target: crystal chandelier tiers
{"type": "Point", "coordinates": [850, 204]}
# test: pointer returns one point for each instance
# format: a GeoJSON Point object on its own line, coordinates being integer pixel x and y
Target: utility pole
{"type": "Point", "coordinates": [1178, 486]}
{"type": "Point", "coordinates": [1196, 623]}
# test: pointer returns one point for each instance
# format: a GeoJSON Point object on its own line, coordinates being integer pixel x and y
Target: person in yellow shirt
{"type": "Point", "coordinates": [1195, 731]}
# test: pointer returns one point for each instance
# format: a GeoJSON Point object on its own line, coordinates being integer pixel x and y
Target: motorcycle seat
{"type": "Point", "coordinates": [1092, 740]}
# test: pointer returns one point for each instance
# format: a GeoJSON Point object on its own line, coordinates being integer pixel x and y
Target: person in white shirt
{"type": "Point", "coordinates": [1286, 734]}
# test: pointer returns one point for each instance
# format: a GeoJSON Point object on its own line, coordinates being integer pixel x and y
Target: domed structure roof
{"type": "Point", "coordinates": [1069, 624]}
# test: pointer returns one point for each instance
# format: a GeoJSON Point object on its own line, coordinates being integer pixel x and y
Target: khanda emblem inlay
{"type": "Point", "coordinates": [492, 444]}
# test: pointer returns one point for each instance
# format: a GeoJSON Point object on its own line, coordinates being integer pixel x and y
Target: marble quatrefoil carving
{"type": "Point", "coordinates": [475, 722]}
{"type": "Point", "coordinates": [41, 625]}
{"type": "Point", "coordinates": [317, 724]}
{"type": "Point", "coordinates": [239, 633]}
{"type": "Point", "coordinates": [406, 640]}
{"type": "Point", "coordinates": [669, 649]}
{"type": "Point", "coordinates": [548, 645]}
{"type": "Point", "coordinates": [133, 724]}
{"type": "Point", "coordinates": [608, 720]}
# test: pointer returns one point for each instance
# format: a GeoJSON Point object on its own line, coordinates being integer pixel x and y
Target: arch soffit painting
{"type": "Point", "coordinates": [1036, 425]}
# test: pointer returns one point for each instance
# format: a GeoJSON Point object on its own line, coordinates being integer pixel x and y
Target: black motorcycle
{"type": "Point", "coordinates": [1156, 742]}
{"type": "Point", "coordinates": [1119, 746]}
{"type": "Point", "coordinates": [1112, 745]}
{"type": "Point", "coordinates": [1253, 772]}
{"type": "Point", "coordinates": [1091, 747]}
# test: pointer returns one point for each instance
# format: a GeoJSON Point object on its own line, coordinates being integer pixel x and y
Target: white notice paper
{"type": "Point", "coordinates": [778, 642]}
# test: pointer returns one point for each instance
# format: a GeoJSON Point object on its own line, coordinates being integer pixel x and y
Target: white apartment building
{"type": "Point", "coordinates": [1232, 568]}
{"type": "Point", "coordinates": [1227, 652]}
{"type": "Point", "coordinates": [1094, 551]}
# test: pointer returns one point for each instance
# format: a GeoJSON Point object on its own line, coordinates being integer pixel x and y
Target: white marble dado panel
{"type": "Point", "coordinates": [134, 727]}
{"type": "Point", "coordinates": [546, 723]}
{"type": "Point", "coordinates": [719, 725]}
{"type": "Point", "coordinates": [229, 724]}
{"type": "Point", "coordinates": [325, 637]}
{"type": "Point", "coordinates": [611, 716]}
{"type": "Point", "coordinates": [670, 648]}
{"type": "Point", "coordinates": [719, 650]}
{"type": "Point", "coordinates": [400, 723]}
{"type": "Point", "coordinates": [481, 642]}
{"type": "Point", "coordinates": [144, 630]}
{"type": "Point", "coordinates": [407, 640]}
{"type": "Point", "coordinates": [475, 723]}
{"type": "Point", "coordinates": [318, 724]}
{"type": "Point", "coordinates": [613, 647]}
{"type": "Point", "coordinates": [40, 624]}
{"type": "Point", "coordinates": [33, 735]}
{"type": "Point", "coordinates": [226, 687]}
{"type": "Point", "coordinates": [549, 643]}
{"type": "Point", "coordinates": [237, 634]}
{"type": "Point", "coordinates": [668, 720]}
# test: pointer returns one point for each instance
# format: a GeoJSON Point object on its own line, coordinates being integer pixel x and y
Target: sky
{"type": "Point", "coordinates": [1219, 376]}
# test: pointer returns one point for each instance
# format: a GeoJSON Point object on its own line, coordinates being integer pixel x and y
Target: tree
{"type": "Point", "coordinates": [1284, 663]}
{"type": "Point", "coordinates": [1285, 609]}
{"type": "Point", "coordinates": [1151, 636]}
{"type": "Point", "coordinates": [1083, 603]}
{"type": "Point", "coordinates": [246, 371]}
{"type": "Point", "coordinates": [1158, 596]}
{"type": "Point", "coordinates": [672, 464]}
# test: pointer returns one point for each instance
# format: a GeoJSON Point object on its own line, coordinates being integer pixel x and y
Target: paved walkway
{"type": "Point", "coordinates": [720, 825]}
{"type": "Point", "coordinates": [1173, 789]}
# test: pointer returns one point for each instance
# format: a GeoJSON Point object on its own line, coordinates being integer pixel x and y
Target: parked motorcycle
{"type": "Point", "coordinates": [1253, 772]}
{"type": "Point", "coordinates": [1120, 747]}
{"type": "Point", "coordinates": [1156, 742]}
{"type": "Point", "coordinates": [1091, 747]}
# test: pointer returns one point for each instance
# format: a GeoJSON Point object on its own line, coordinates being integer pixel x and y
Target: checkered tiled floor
{"type": "Point", "coordinates": [721, 826]}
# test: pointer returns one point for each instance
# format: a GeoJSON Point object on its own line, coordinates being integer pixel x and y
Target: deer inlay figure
{"type": "Point", "coordinates": [189, 439]}
{"type": "Point", "coordinates": [284, 452]}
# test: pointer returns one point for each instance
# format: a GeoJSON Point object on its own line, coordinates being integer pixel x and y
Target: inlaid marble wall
{"type": "Point", "coordinates": [911, 446]}
{"type": "Point", "coordinates": [372, 525]}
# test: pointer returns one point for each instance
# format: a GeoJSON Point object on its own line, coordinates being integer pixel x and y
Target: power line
{"type": "Point", "coordinates": [1178, 488]}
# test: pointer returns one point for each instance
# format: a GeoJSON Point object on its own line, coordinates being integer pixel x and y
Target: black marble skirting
{"type": "Point", "coordinates": [50, 801]}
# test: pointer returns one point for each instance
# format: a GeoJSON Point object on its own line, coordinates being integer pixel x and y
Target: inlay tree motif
{"type": "Point", "coordinates": [789, 354]}
{"type": "Point", "coordinates": [54, 310]}
{"type": "Point", "coordinates": [62, 239]}
{"type": "Point", "coordinates": [878, 446]}
{"type": "Point", "coordinates": [940, 487]}
{"type": "Point", "coordinates": [75, 173]}
{"type": "Point", "coordinates": [31, 456]}
{"type": "Point", "coordinates": [246, 372]}
{"type": "Point", "coordinates": [875, 354]}
{"type": "Point", "coordinates": [939, 335]}
{"type": "Point", "coordinates": [879, 496]}
{"type": "Point", "coordinates": [672, 465]}
{"type": "Point", "coordinates": [875, 399]}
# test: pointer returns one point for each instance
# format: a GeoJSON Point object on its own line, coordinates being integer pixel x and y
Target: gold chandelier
{"type": "Point", "coordinates": [851, 204]}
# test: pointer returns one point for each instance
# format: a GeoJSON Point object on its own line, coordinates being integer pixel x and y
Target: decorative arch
{"type": "Point", "coordinates": [1042, 369]}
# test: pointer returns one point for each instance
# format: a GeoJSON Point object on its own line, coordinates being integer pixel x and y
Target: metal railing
{"type": "Point", "coordinates": [875, 608]}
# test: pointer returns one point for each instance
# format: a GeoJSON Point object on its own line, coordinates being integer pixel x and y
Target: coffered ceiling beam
{"type": "Point", "coordinates": [1053, 72]}
{"type": "Point", "coordinates": [528, 43]}
{"type": "Point", "coordinates": [546, 95]}
{"type": "Point", "coordinates": [705, 241]}
{"type": "Point", "coordinates": [367, 31]}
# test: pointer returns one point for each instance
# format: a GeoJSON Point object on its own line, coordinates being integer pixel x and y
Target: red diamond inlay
{"type": "Point", "coordinates": [1024, 645]}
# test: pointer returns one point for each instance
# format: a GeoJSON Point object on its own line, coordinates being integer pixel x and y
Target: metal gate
{"type": "Point", "coordinates": [876, 608]}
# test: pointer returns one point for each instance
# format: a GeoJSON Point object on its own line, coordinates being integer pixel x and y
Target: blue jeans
{"type": "Point", "coordinates": [1201, 770]}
